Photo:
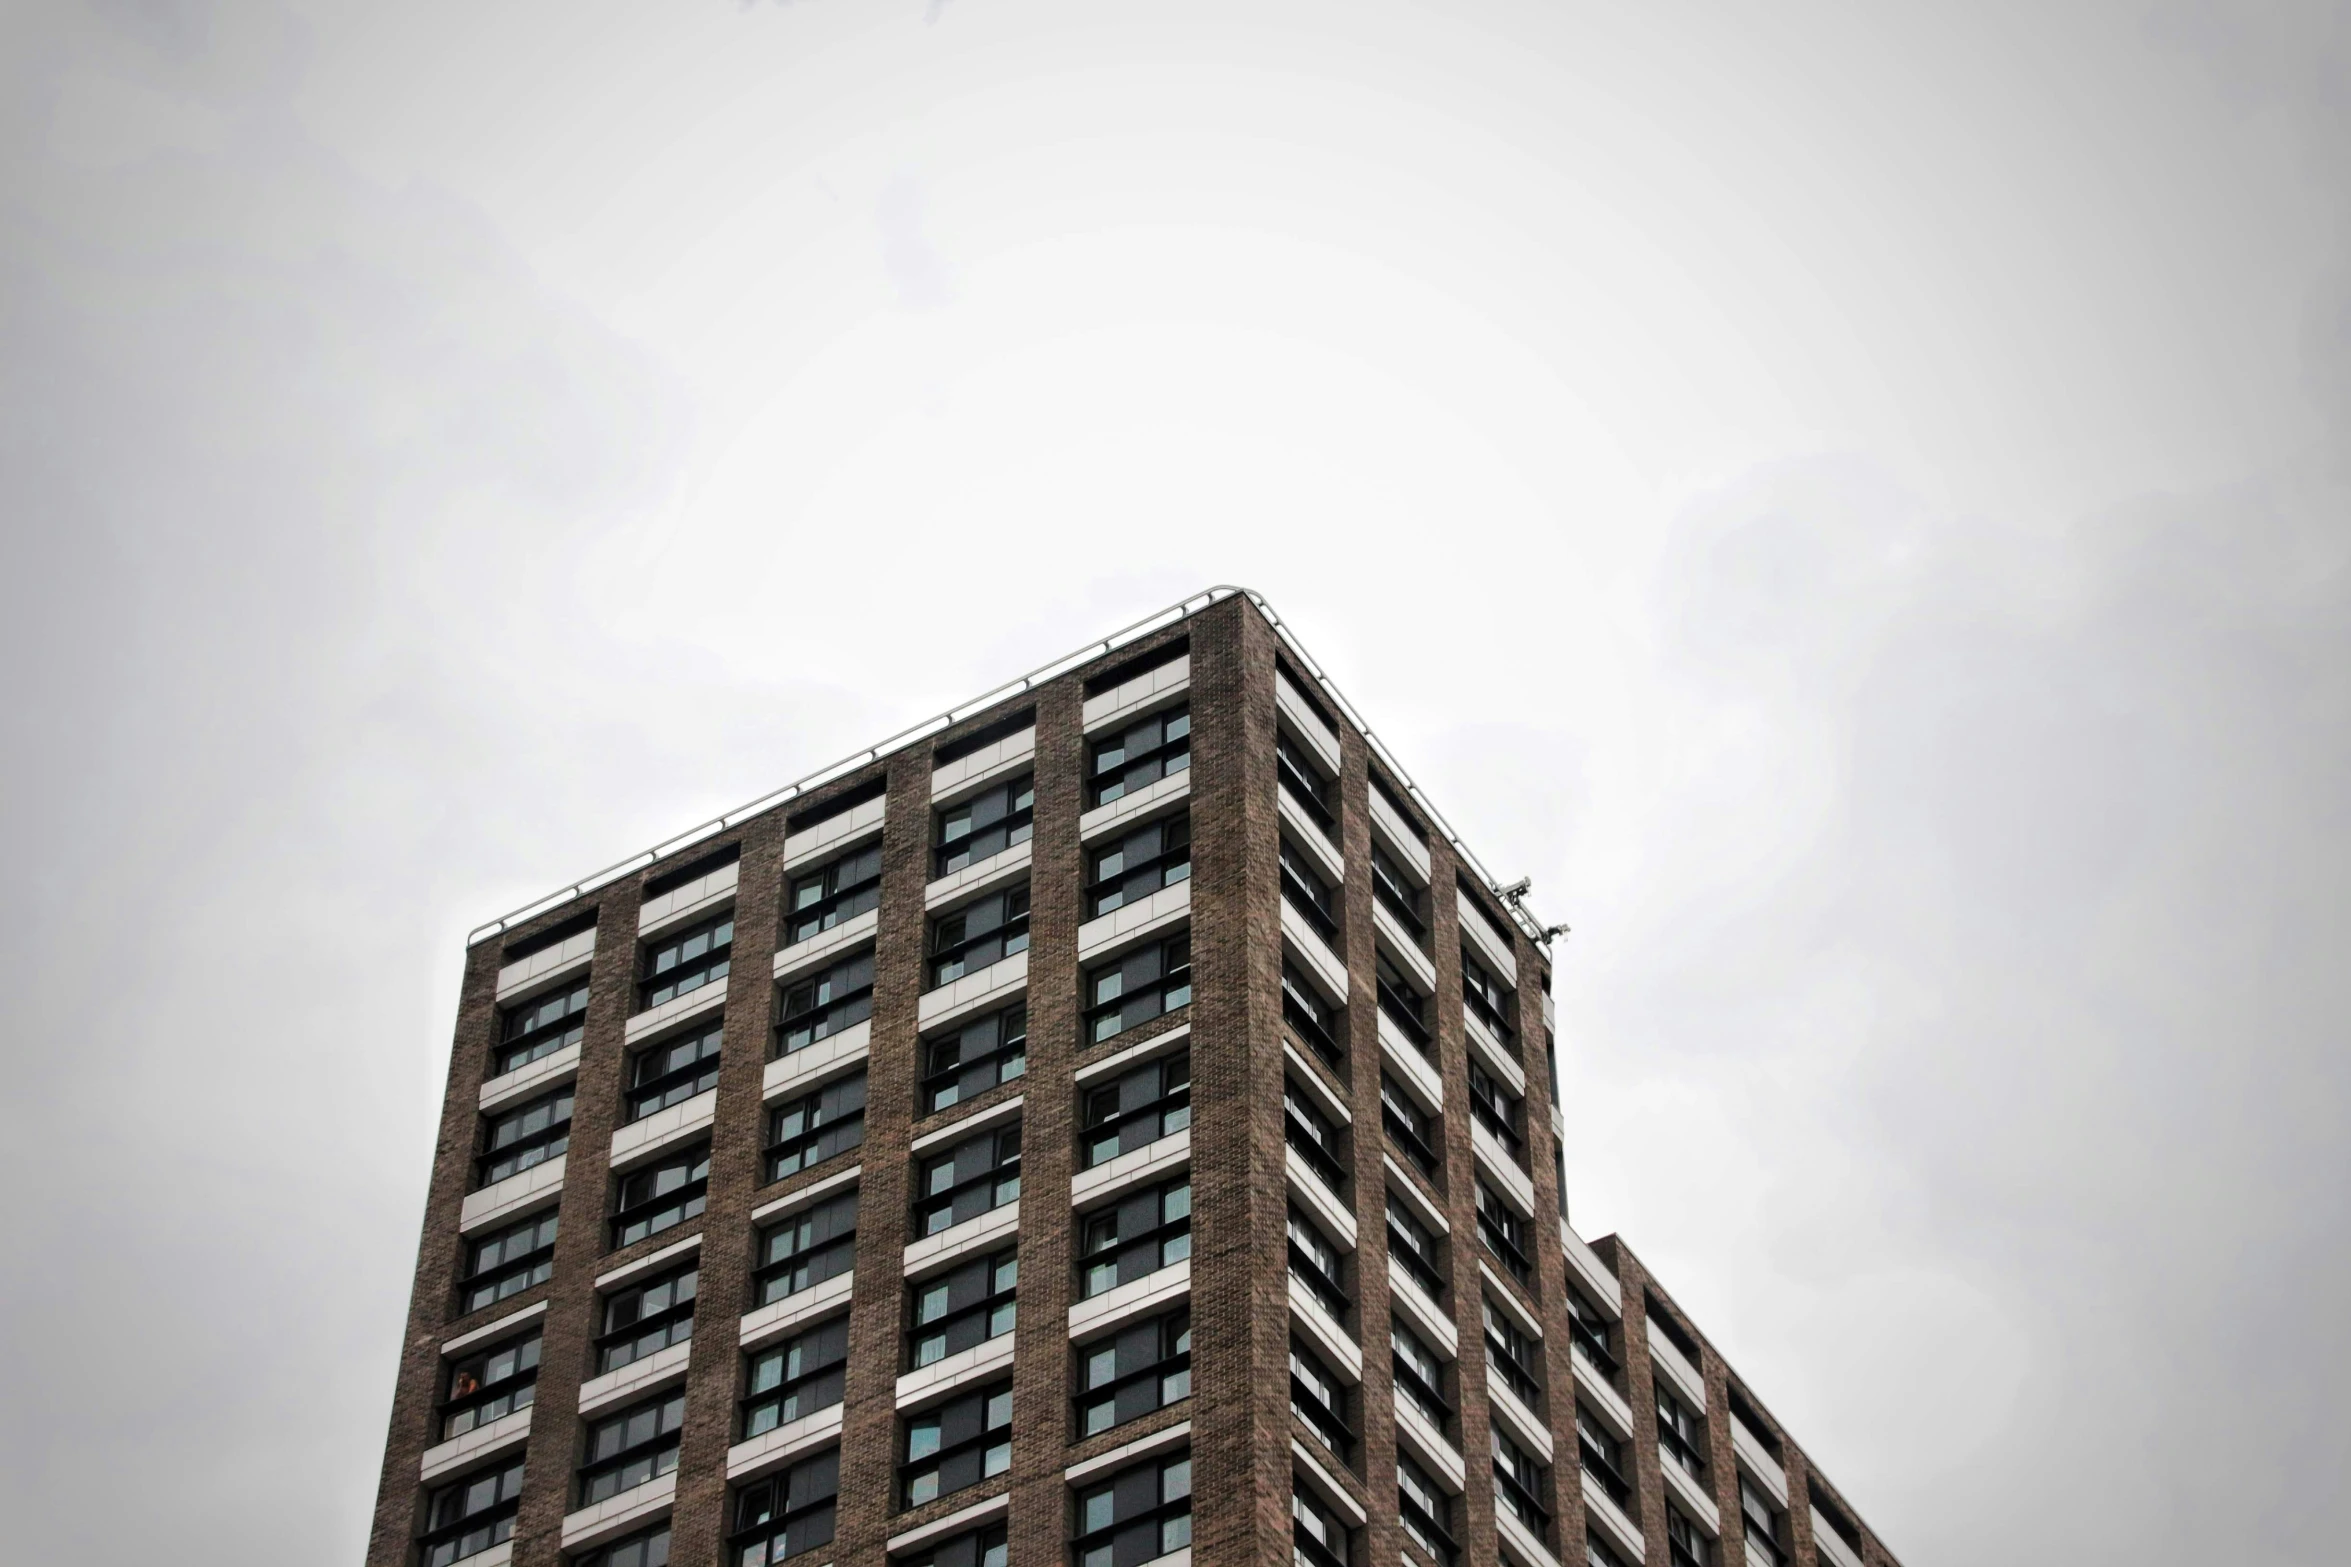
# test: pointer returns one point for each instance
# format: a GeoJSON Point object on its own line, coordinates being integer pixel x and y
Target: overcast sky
{"type": "Point", "coordinates": [1853, 500]}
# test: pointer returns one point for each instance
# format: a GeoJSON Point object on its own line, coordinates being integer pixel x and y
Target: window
{"type": "Point", "coordinates": [661, 1195]}
{"type": "Point", "coordinates": [632, 1447]}
{"type": "Point", "coordinates": [1304, 889]}
{"type": "Point", "coordinates": [976, 1057]}
{"type": "Point", "coordinates": [670, 879]}
{"type": "Point", "coordinates": [1420, 1375]}
{"type": "Point", "coordinates": [957, 1445]}
{"type": "Point", "coordinates": [806, 1249]}
{"type": "Point", "coordinates": [1130, 991]}
{"type": "Point", "coordinates": [803, 1133]}
{"type": "Point", "coordinates": [1145, 751]}
{"type": "Point", "coordinates": [1142, 1367]}
{"type": "Point", "coordinates": [1518, 1484]}
{"type": "Point", "coordinates": [644, 1319]}
{"type": "Point", "coordinates": [985, 825]}
{"type": "Point", "coordinates": [1681, 1433]}
{"type": "Point", "coordinates": [508, 1262]}
{"type": "Point", "coordinates": [490, 1384]}
{"type": "Point", "coordinates": [1760, 1521]}
{"type": "Point", "coordinates": [1504, 1230]}
{"type": "Point", "coordinates": [1427, 1512]}
{"type": "Point", "coordinates": [1488, 1000]}
{"type": "Point", "coordinates": [968, 1305]}
{"type": "Point", "coordinates": [1155, 855]}
{"type": "Point", "coordinates": [1317, 1537]}
{"type": "Point", "coordinates": [1400, 1004]}
{"type": "Point", "coordinates": [1587, 1334]}
{"type": "Point", "coordinates": [531, 1134]}
{"type": "Point", "coordinates": [1416, 1249]}
{"type": "Point", "coordinates": [1497, 1109]}
{"type": "Point", "coordinates": [682, 964]}
{"type": "Point", "coordinates": [793, 1380]}
{"type": "Point", "coordinates": [1514, 1357]}
{"type": "Point", "coordinates": [1311, 1017]}
{"type": "Point", "coordinates": [977, 1175]}
{"type": "Point", "coordinates": [1316, 1266]}
{"type": "Point", "coordinates": [1598, 1555]}
{"type": "Point", "coordinates": [1399, 894]}
{"type": "Point", "coordinates": [826, 1002]}
{"type": "Point", "coordinates": [1684, 1545]}
{"type": "Point", "coordinates": [1840, 1524]}
{"type": "Point", "coordinates": [469, 1517]}
{"type": "Point", "coordinates": [1602, 1456]}
{"type": "Point", "coordinates": [1138, 1235]}
{"type": "Point", "coordinates": [1319, 1400]}
{"type": "Point", "coordinates": [540, 1027]}
{"type": "Point", "coordinates": [1413, 1129]}
{"type": "Point", "coordinates": [650, 1549]}
{"type": "Point", "coordinates": [1551, 1060]}
{"type": "Point", "coordinates": [984, 931]}
{"type": "Point", "coordinates": [1313, 1136]}
{"type": "Point", "coordinates": [984, 1547]}
{"type": "Point", "coordinates": [1305, 781]}
{"type": "Point", "coordinates": [673, 1072]}
{"type": "Point", "coordinates": [833, 894]}
{"type": "Point", "coordinates": [785, 1514]}
{"type": "Point", "coordinates": [1135, 1108]}
{"type": "Point", "coordinates": [1138, 1515]}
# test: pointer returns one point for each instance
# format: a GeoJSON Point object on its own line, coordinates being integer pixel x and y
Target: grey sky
{"type": "Point", "coordinates": [1889, 474]}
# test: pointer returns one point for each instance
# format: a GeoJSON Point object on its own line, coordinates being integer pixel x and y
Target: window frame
{"type": "Point", "coordinates": [1397, 1102]}
{"type": "Point", "coordinates": [1014, 824]}
{"type": "Point", "coordinates": [1324, 1282]}
{"type": "Point", "coordinates": [534, 1267]}
{"type": "Point", "coordinates": [670, 1314]}
{"type": "Point", "coordinates": [519, 1044]}
{"type": "Point", "coordinates": [782, 1517]}
{"type": "Point", "coordinates": [1600, 1454]}
{"type": "Point", "coordinates": [836, 1249]}
{"type": "Point", "coordinates": [533, 1148]}
{"type": "Point", "coordinates": [832, 1014]}
{"type": "Point", "coordinates": [1304, 890]}
{"type": "Point", "coordinates": [514, 1390]}
{"type": "Point", "coordinates": [1162, 757]}
{"type": "Point", "coordinates": [1173, 975]}
{"type": "Point", "coordinates": [630, 1222]}
{"type": "Point", "coordinates": [641, 1096]}
{"type": "Point", "coordinates": [1502, 1113]}
{"type": "Point", "coordinates": [1681, 1431]}
{"type": "Point", "coordinates": [1321, 1409]}
{"type": "Point", "coordinates": [1517, 1354]}
{"type": "Point", "coordinates": [1403, 1004]}
{"type": "Point", "coordinates": [837, 902]}
{"type": "Point", "coordinates": [1168, 865]}
{"type": "Point", "coordinates": [996, 1307]}
{"type": "Point", "coordinates": [932, 1201]}
{"type": "Point", "coordinates": [1427, 1523]}
{"type": "Point", "coordinates": [947, 960]}
{"type": "Point", "coordinates": [1164, 1235]}
{"type": "Point", "coordinates": [819, 1140]}
{"type": "Point", "coordinates": [1504, 1232]}
{"type": "Point", "coordinates": [1519, 1481]}
{"type": "Point", "coordinates": [1394, 889]}
{"type": "Point", "coordinates": [709, 965]}
{"type": "Point", "coordinates": [1170, 1351]}
{"type": "Point", "coordinates": [662, 1442]}
{"type": "Point", "coordinates": [780, 1396]}
{"type": "Point", "coordinates": [1317, 1020]}
{"type": "Point", "coordinates": [1002, 1062]}
{"type": "Point", "coordinates": [1424, 1264]}
{"type": "Point", "coordinates": [495, 1516]}
{"type": "Point", "coordinates": [1098, 1546]}
{"type": "Point", "coordinates": [1425, 1393]}
{"type": "Point", "coordinates": [1319, 1142]}
{"type": "Point", "coordinates": [1172, 1102]}
{"type": "Point", "coordinates": [1302, 777]}
{"type": "Point", "coordinates": [993, 1437]}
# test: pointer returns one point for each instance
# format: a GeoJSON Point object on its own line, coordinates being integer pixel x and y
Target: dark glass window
{"type": "Point", "coordinates": [1598, 1555]}
{"type": "Point", "coordinates": [1681, 1433]}
{"type": "Point", "coordinates": [1314, 1137]}
{"type": "Point", "coordinates": [1498, 1110]}
{"type": "Point", "coordinates": [1132, 990]}
{"type": "Point", "coordinates": [807, 1249]}
{"type": "Point", "coordinates": [1155, 855]}
{"type": "Point", "coordinates": [1416, 1249]}
{"type": "Point", "coordinates": [957, 1445]}
{"type": "Point", "coordinates": [1413, 1129]}
{"type": "Point", "coordinates": [673, 1072]}
{"type": "Point", "coordinates": [1504, 1230]}
{"type": "Point", "coordinates": [1135, 1108]}
{"type": "Point", "coordinates": [833, 894]}
{"type": "Point", "coordinates": [975, 1057]}
{"type": "Point", "coordinates": [978, 1174]}
{"type": "Point", "coordinates": [1427, 1512]}
{"type": "Point", "coordinates": [490, 1384]}
{"type": "Point", "coordinates": [650, 1549]}
{"type": "Point", "coordinates": [984, 931]}
{"type": "Point", "coordinates": [1310, 1016]}
{"type": "Point", "coordinates": [804, 1132]}
{"type": "Point", "coordinates": [1139, 755]}
{"type": "Point", "coordinates": [660, 1195]}
{"type": "Point", "coordinates": [508, 1262]}
{"type": "Point", "coordinates": [1602, 1456]}
{"type": "Point", "coordinates": [1137, 1515]}
{"type": "Point", "coordinates": [1319, 1400]}
{"type": "Point", "coordinates": [529, 1134]}
{"type": "Point", "coordinates": [1402, 1005]}
{"type": "Point", "coordinates": [1142, 1367]}
{"type": "Point", "coordinates": [1489, 1000]}
{"type": "Point", "coordinates": [784, 1514]}
{"type": "Point", "coordinates": [541, 1026]}
{"type": "Point", "coordinates": [1420, 1375]}
{"type": "Point", "coordinates": [1759, 1519]}
{"type": "Point", "coordinates": [1317, 1537]}
{"type": "Point", "coordinates": [645, 1319]}
{"type": "Point", "coordinates": [793, 1380]}
{"type": "Point", "coordinates": [1304, 889]}
{"type": "Point", "coordinates": [983, 1547]}
{"type": "Point", "coordinates": [1316, 1266]}
{"type": "Point", "coordinates": [1513, 1357]}
{"type": "Point", "coordinates": [1518, 1484]}
{"type": "Point", "coordinates": [826, 1002]}
{"type": "Point", "coordinates": [681, 964]}
{"type": "Point", "coordinates": [1551, 1060]}
{"type": "Point", "coordinates": [985, 825]}
{"type": "Point", "coordinates": [636, 1445]}
{"type": "Point", "coordinates": [1684, 1545]}
{"type": "Point", "coordinates": [1139, 1234]}
{"type": "Point", "coordinates": [467, 1518]}
{"type": "Point", "coordinates": [1305, 781]}
{"type": "Point", "coordinates": [1403, 898]}
{"type": "Point", "coordinates": [1587, 1334]}
{"type": "Point", "coordinates": [969, 1304]}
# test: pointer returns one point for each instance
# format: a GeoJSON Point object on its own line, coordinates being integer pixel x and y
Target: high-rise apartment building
{"type": "Point", "coordinates": [1115, 1123]}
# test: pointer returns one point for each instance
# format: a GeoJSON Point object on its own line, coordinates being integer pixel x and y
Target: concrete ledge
{"type": "Point", "coordinates": [1522, 1423]}
{"type": "Point", "coordinates": [1316, 1326]}
{"type": "Point", "coordinates": [1401, 949]}
{"type": "Point", "coordinates": [804, 1196]}
{"type": "Point", "coordinates": [467, 1446]}
{"type": "Point", "coordinates": [837, 831]}
{"type": "Point", "coordinates": [1119, 1060]}
{"type": "Point", "coordinates": [1605, 1400]}
{"type": "Point", "coordinates": [1145, 1295]}
{"type": "Point", "coordinates": [1418, 1071]}
{"type": "Point", "coordinates": [1005, 865]}
{"type": "Point", "coordinates": [1518, 1541]}
{"type": "Point", "coordinates": [1147, 690]}
{"type": "Point", "coordinates": [1307, 942]}
{"type": "Point", "coordinates": [493, 1330]}
{"type": "Point", "coordinates": [1615, 1527]}
{"type": "Point", "coordinates": [1118, 1458]}
{"type": "Point", "coordinates": [1428, 1445]}
{"type": "Point", "coordinates": [957, 1240]}
{"type": "Point", "coordinates": [1495, 1161]}
{"type": "Point", "coordinates": [1152, 1162]}
{"type": "Point", "coordinates": [1327, 1486]}
{"type": "Point", "coordinates": [546, 965]}
{"type": "Point", "coordinates": [1315, 1086]}
{"type": "Point", "coordinates": [826, 945]}
{"type": "Point", "coordinates": [975, 992]}
{"type": "Point", "coordinates": [1591, 1272]}
{"type": "Point", "coordinates": [1163, 910]}
{"type": "Point", "coordinates": [1683, 1488]}
{"type": "Point", "coordinates": [638, 1376]}
{"type": "Point", "coordinates": [941, 1377]}
{"type": "Point", "coordinates": [618, 1514]}
{"type": "Point", "coordinates": [1321, 737]}
{"type": "Point", "coordinates": [1423, 1315]}
{"type": "Point", "coordinates": [511, 1196]}
{"type": "Point", "coordinates": [1493, 1054]}
{"type": "Point", "coordinates": [702, 895]}
{"type": "Point", "coordinates": [651, 1263]}
{"type": "Point", "coordinates": [1307, 1189]}
{"type": "Point", "coordinates": [778, 1318]}
{"type": "Point", "coordinates": [812, 1064]}
{"type": "Point", "coordinates": [711, 997]}
{"type": "Point", "coordinates": [1756, 1459]}
{"type": "Point", "coordinates": [1402, 841]}
{"type": "Point", "coordinates": [1678, 1370]}
{"type": "Point", "coordinates": [1482, 934]}
{"type": "Point", "coordinates": [531, 1077]}
{"type": "Point", "coordinates": [955, 1131]}
{"type": "Point", "coordinates": [1829, 1544]}
{"type": "Point", "coordinates": [1312, 841]}
{"type": "Point", "coordinates": [954, 1523]}
{"type": "Point", "coordinates": [984, 766]}
{"type": "Point", "coordinates": [773, 1449]}
{"type": "Point", "coordinates": [656, 1132]}
{"type": "Point", "coordinates": [1133, 807]}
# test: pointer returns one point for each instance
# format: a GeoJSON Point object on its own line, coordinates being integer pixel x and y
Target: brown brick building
{"type": "Point", "coordinates": [1112, 1123]}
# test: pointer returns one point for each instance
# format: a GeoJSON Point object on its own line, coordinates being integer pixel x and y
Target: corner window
{"type": "Point", "coordinates": [680, 964]}
{"type": "Point", "coordinates": [1138, 1515]}
{"type": "Point", "coordinates": [672, 1072]}
{"type": "Point", "coordinates": [803, 1133]}
{"type": "Point", "coordinates": [825, 1003]}
{"type": "Point", "coordinates": [957, 1445]}
{"type": "Point", "coordinates": [508, 1262]}
{"type": "Point", "coordinates": [530, 1134]}
{"type": "Point", "coordinates": [1136, 1236]}
{"type": "Point", "coordinates": [660, 1196]}
{"type": "Point", "coordinates": [793, 1380]}
{"type": "Point", "coordinates": [1139, 755]}
{"type": "Point", "coordinates": [806, 1249]}
{"type": "Point", "coordinates": [490, 1384]}
{"type": "Point", "coordinates": [645, 1319]}
{"type": "Point", "coordinates": [1134, 1109]}
{"type": "Point", "coordinates": [1130, 991]}
{"type": "Point", "coordinates": [1143, 1367]}
{"type": "Point", "coordinates": [978, 1174]}
{"type": "Point", "coordinates": [984, 826]}
{"type": "Point", "coordinates": [1148, 858]}
{"type": "Point", "coordinates": [984, 931]}
{"type": "Point", "coordinates": [833, 894]}
{"type": "Point", "coordinates": [785, 1514]}
{"type": "Point", "coordinates": [540, 1027]}
{"type": "Point", "coordinates": [962, 1308]}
